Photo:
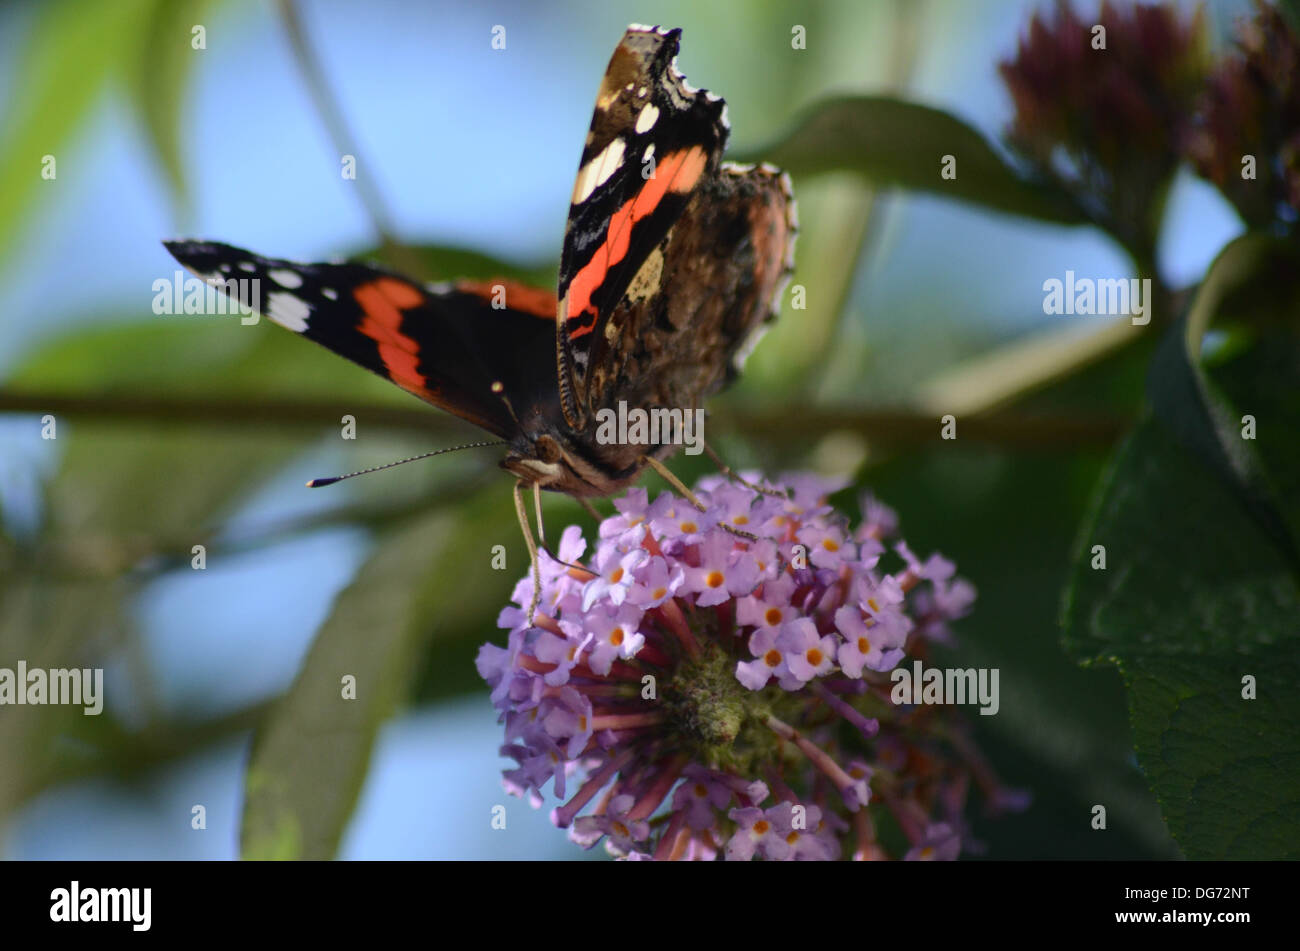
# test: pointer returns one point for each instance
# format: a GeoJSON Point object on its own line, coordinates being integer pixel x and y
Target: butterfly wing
{"type": "Point", "coordinates": [653, 140]}
{"type": "Point", "coordinates": [462, 347]}
{"type": "Point", "coordinates": [685, 325]}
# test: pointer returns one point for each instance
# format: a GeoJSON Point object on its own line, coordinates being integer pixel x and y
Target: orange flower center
{"type": "Point", "coordinates": [714, 579]}
{"type": "Point", "coordinates": [616, 636]}
{"type": "Point", "coordinates": [772, 617]}
{"type": "Point", "coordinates": [815, 656]}
{"type": "Point", "coordinates": [772, 657]}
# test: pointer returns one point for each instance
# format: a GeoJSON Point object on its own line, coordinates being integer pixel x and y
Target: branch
{"type": "Point", "coordinates": [902, 427]}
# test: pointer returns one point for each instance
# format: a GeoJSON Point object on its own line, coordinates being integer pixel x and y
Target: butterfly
{"type": "Point", "coordinates": [672, 262]}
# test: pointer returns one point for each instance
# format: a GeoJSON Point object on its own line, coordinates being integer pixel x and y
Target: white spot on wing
{"type": "Point", "coordinates": [647, 119]}
{"type": "Point", "coordinates": [287, 311]}
{"type": "Point", "coordinates": [596, 172]}
{"type": "Point", "coordinates": [329, 293]}
{"type": "Point", "coordinates": [289, 279]}
{"type": "Point", "coordinates": [247, 266]}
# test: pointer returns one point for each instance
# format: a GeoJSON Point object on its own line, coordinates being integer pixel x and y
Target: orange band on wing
{"type": "Point", "coordinates": [382, 301]}
{"type": "Point", "coordinates": [678, 173]}
{"type": "Point", "coordinates": [516, 296]}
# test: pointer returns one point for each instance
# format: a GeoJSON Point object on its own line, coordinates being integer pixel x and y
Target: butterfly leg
{"type": "Point", "coordinates": [690, 496]}
{"type": "Point", "coordinates": [522, 512]}
{"type": "Point", "coordinates": [541, 530]}
{"type": "Point", "coordinates": [732, 474]}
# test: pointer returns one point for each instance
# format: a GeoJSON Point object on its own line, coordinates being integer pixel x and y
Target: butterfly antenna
{"type": "Point", "coordinates": [317, 483]}
{"type": "Point", "coordinates": [499, 389]}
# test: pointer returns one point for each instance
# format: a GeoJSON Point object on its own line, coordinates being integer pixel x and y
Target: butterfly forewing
{"type": "Point", "coordinates": [653, 140]}
{"type": "Point", "coordinates": [447, 344]}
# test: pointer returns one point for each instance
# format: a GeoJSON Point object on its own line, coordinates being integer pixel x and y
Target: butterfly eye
{"type": "Point", "coordinates": [547, 449]}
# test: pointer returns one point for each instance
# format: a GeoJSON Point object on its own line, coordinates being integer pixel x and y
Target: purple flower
{"type": "Point", "coordinates": [770, 661]}
{"type": "Point", "coordinates": [756, 833]}
{"type": "Point", "coordinates": [563, 652]}
{"type": "Point", "coordinates": [723, 572]}
{"type": "Point", "coordinates": [695, 693]}
{"type": "Point", "coordinates": [700, 797]}
{"type": "Point", "coordinates": [623, 830]}
{"type": "Point", "coordinates": [655, 583]}
{"type": "Point", "coordinates": [864, 645]}
{"type": "Point", "coordinates": [612, 634]}
{"type": "Point", "coordinates": [807, 653]}
{"type": "Point", "coordinates": [771, 608]}
{"type": "Point", "coordinates": [939, 844]}
{"type": "Point", "coordinates": [827, 545]}
{"type": "Point", "coordinates": [615, 572]}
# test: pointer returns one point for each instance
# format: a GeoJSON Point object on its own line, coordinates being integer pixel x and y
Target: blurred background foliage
{"type": "Point", "coordinates": [924, 298]}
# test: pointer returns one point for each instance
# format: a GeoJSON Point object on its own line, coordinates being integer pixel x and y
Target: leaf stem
{"type": "Point", "coordinates": [345, 142]}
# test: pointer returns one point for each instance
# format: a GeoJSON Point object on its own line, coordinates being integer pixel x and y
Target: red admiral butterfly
{"type": "Point", "coordinates": [671, 260]}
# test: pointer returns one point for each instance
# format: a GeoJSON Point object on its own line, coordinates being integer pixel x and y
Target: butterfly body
{"type": "Point", "coordinates": [672, 261]}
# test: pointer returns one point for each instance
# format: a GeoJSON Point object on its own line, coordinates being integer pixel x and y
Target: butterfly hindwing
{"type": "Point", "coordinates": [447, 344]}
{"type": "Point", "coordinates": [709, 287]}
{"type": "Point", "coordinates": [653, 140]}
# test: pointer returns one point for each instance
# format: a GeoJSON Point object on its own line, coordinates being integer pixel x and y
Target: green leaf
{"type": "Point", "coordinates": [49, 622]}
{"type": "Point", "coordinates": [1290, 10]}
{"type": "Point", "coordinates": [124, 485]}
{"type": "Point", "coordinates": [1182, 397]}
{"type": "Point", "coordinates": [1008, 520]}
{"type": "Point", "coordinates": [898, 143]}
{"type": "Point", "coordinates": [75, 48]}
{"type": "Point", "coordinates": [160, 81]}
{"type": "Point", "coordinates": [310, 757]}
{"type": "Point", "coordinates": [1195, 596]}
{"type": "Point", "coordinates": [1187, 571]}
{"type": "Point", "coordinates": [1226, 770]}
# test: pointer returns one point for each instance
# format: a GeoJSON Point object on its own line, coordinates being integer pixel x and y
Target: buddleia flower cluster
{"type": "Point", "coordinates": [1102, 104]}
{"type": "Point", "coordinates": [714, 682]}
{"type": "Point", "coordinates": [1247, 135]}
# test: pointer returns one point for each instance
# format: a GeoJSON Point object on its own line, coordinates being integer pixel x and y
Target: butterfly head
{"type": "Point", "coordinates": [555, 462]}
